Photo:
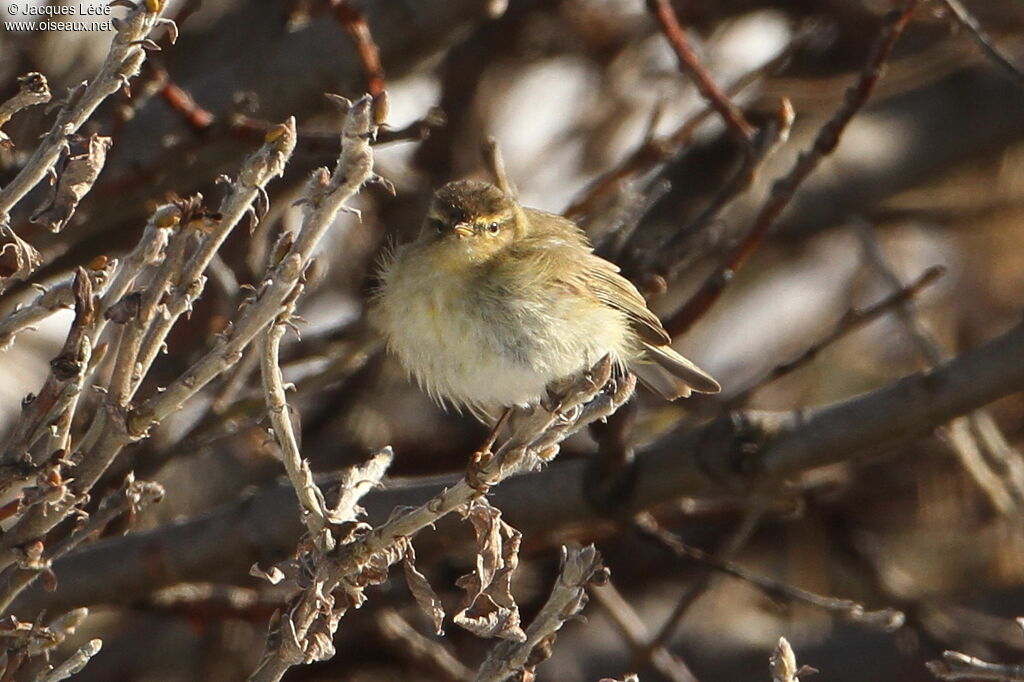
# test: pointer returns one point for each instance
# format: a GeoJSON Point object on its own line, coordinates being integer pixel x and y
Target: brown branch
{"type": "Point", "coordinates": [730, 547]}
{"type": "Point", "coordinates": [653, 151]}
{"type": "Point", "coordinates": [735, 453]}
{"type": "Point", "coordinates": [122, 63]}
{"type": "Point", "coordinates": [32, 90]}
{"type": "Point", "coordinates": [883, 619]}
{"type": "Point", "coordinates": [354, 22]}
{"type": "Point", "coordinates": [635, 631]}
{"type": "Point", "coordinates": [996, 467]}
{"type": "Point", "coordinates": [968, 21]}
{"type": "Point", "coordinates": [765, 142]}
{"type": "Point", "coordinates": [957, 666]}
{"type": "Point", "coordinates": [852, 320]}
{"type": "Point", "coordinates": [506, 659]}
{"type": "Point", "coordinates": [690, 64]}
{"type": "Point", "coordinates": [785, 187]}
{"type": "Point", "coordinates": [409, 643]}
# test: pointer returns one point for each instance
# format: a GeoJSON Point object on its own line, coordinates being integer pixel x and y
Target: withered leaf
{"type": "Point", "coordinates": [421, 590]}
{"type": "Point", "coordinates": [489, 609]}
{"type": "Point", "coordinates": [74, 182]}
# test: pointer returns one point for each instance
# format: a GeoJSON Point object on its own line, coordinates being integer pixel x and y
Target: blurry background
{"type": "Point", "coordinates": [931, 172]}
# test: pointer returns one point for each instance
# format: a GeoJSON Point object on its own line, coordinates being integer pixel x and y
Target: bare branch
{"type": "Point", "coordinates": [32, 90]}
{"type": "Point", "coordinates": [637, 635]}
{"type": "Point", "coordinates": [122, 63]}
{"type": "Point", "coordinates": [984, 40]}
{"type": "Point", "coordinates": [784, 188]}
{"type": "Point", "coordinates": [886, 620]}
{"type": "Point", "coordinates": [957, 666]}
{"type": "Point", "coordinates": [508, 658]}
{"type": "Point", "coordinates": [738, 452]}
{"type": "Point", "coordinates": [690, 65]}
{"type": "Point", "coordinates": [420, 648]}
{"type": "Point", "coordinates": [75, 663]}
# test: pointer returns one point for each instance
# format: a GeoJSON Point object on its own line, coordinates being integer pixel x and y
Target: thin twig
{"type": "Point", "coordinates": [784, 188]}
{"type": "Point", "coordinates": [732, 545]}
{"type": "Point", "coordinates": [768, 138]}
{"type": "Point", "coordinates": [852, 320]}
{"type": "Point", "coordinates": [311, 500]}
{"type": "Point", "coordinates": [968, 21]}
{"type": "Point", "coordinates": [957, 666]}
{"type": "Point", "coordinates": [75, 663]}
{"type": "Point", "coordinates": [653, 151]}
{"type": "Point", "coordinates": [420, 648]}
{"type": "Point", "coordinates": [354, 22]}
{"type": "Point", "coordinates": [690, 64]}
{"type": "Point", "coordinates": [633, 628]}
{"type": "Point", "coordinates": [568, 596]}
{"type": "Point", "coordinates": [133, 497]}
{"type": "Point", "coordinates": [58, 297]}
{"type": "Point", "coordinates": [62, 385]}
{"type": "Point", "coordinates": [121, 64]}
{"type": "Point", "coordinates": [884, 619]}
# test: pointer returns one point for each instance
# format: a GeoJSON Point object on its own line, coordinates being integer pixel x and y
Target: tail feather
{"type": "Point", "coordinates": [671, 375]}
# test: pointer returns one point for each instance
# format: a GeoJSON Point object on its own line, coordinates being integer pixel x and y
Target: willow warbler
{"type": "Point", "coordinates": [494, 301]}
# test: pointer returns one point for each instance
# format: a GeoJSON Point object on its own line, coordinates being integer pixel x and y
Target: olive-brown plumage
{"type": "Point", "coordinates": [493, 301]}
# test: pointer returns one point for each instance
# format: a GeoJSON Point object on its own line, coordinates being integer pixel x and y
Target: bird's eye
{"type": "Point", "coordinates": [493, 228]}
{"type": "Point", "coordinates": [436, 224]}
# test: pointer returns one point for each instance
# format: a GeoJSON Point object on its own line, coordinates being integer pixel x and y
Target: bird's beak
{"type": "Point", "coordinates": [462, 230]}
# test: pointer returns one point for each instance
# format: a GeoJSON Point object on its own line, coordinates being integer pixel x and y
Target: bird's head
{"type": "Point", "coordinates": [472, 218]}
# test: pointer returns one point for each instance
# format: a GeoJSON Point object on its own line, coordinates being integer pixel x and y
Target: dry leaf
{"type": "Point", "coordinates": [421, 590]}
{"type": "Point", "coordinates": [74, 182]}
{"type": "Point", "coordinates": [489, 609]}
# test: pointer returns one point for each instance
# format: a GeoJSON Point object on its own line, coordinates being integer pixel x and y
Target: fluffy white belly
{"type": "Point", "coordinates": [463, 356]}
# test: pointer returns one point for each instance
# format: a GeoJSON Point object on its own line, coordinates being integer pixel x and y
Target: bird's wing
{"type": "Point", "coordinates": [614, 290]}
{"type": "Point", "coordinates": [598, 276]}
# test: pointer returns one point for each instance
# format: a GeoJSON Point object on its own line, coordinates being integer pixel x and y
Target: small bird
{"type": "Point", "coordinates": [494, 301]}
